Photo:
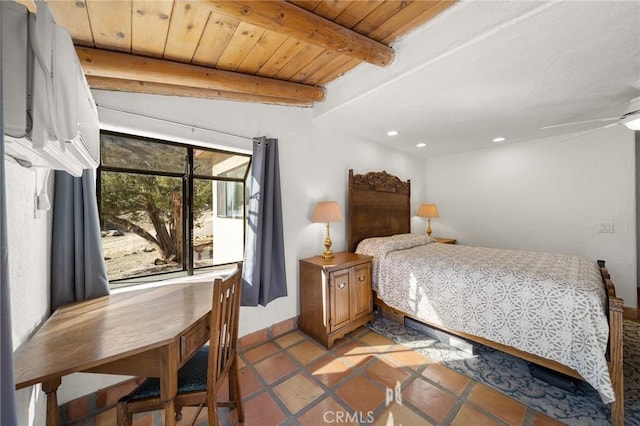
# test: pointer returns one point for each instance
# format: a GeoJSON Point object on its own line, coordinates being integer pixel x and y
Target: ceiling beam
{"type": "Point", "coordinates": [294, 21]}
{"type": "Point", "coordinates": [123, 66]}
{"type": "Point", "coordinates": [119, 85]}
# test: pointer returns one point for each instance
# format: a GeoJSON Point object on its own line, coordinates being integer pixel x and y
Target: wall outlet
{"type": "Point", "coordinates": [606, 227]}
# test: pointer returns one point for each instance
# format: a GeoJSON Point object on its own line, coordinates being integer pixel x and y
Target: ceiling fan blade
{"type": "Point", "coordinates": [602, 120]}
{"type": "Point", "coordinates": [576, 135]}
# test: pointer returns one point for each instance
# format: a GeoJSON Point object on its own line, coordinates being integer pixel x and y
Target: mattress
{"type": "Point", "coordinates": [550, 305]}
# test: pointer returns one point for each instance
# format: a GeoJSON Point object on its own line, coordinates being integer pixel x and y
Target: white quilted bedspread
{"type": "Point", "coordinates": [551, 305]}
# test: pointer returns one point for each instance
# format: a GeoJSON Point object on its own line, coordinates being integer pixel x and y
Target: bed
{"type": "Point", "coordinates": [553, 310]}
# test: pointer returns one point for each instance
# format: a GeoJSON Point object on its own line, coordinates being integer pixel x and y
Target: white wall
{"type": "Point", "coordinates": [544, 195]}
{"type": "Point", "coordinates": [29, 258]}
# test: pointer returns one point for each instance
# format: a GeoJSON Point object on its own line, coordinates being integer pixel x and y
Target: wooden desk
{"type": "Point", "coordinates": [150, 332]}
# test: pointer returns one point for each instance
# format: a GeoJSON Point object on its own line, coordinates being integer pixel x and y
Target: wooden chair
{"type": "Point", "coordinates": [201, 377]}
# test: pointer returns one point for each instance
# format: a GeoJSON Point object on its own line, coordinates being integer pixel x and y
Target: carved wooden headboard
{"type": "Point", "coordinates": [379, 206]}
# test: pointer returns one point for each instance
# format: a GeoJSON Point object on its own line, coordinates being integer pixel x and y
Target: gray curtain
{"type": "Point", "coordinates": [264, 273]}
{"type": "Point", "coordinates": [78, 271]}
{"type": "Point", "coordinates": [8, 409]}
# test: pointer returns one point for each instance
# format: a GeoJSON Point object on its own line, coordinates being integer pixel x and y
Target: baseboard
{"type": "Point", "coordinates": [261, 336]}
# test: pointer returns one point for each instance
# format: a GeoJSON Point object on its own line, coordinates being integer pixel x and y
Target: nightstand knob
{"type": "Point", "coordinates": [362, 278]}
{"type": "Point", "coordinates": [341, 286]}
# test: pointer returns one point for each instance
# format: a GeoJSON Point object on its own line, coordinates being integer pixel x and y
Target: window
{"type": "Point", "coordinates": [159, 217]}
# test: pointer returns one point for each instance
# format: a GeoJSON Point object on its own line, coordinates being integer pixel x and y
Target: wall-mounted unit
{"type": "Point", "coordinates": [51, 119]}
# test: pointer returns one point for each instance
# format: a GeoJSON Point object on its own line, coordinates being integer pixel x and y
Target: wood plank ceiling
{"type": "Point", "coordinates": [279, 52]}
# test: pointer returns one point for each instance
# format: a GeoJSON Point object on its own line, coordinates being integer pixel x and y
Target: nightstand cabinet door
{"type": "Point", "coordinates": [335, 296]}
{"type": "Point", "coordinates": [339, 300]}
{"type": "Point", "coordinates": [362, 295]}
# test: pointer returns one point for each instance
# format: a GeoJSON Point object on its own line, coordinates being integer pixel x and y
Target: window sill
{"type": "Point", "coordinates": [207, 275]}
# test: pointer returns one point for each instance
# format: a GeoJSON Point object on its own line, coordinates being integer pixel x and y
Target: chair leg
{"type": "Point", "coordinates": [195, 415]}
{"type": "Point", "coordinates": [234, 389]}
{"type": "Point", "coordinates": [123, 416]}
{"type": "Point", "coordinates": [212, 411]}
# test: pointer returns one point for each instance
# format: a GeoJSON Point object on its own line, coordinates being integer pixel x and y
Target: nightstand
{"type": "Point", "coordinates": [446, 240]}
{"type": "Point", "coordinates": [335, 296]}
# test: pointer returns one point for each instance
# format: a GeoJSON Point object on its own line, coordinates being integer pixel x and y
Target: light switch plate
{"type": "Point", "coordinates": [605, 227]}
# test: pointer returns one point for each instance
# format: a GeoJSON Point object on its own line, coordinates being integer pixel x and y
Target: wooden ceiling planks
{"type": "Point", "coordinates": [407, 18]}
{"type": "Point", "coordinates": [331, 9]}
{"type": "Point", "coordinates": [110, 24]}
{"type": "Point", "coordinates": [150, 27]}
{"type": "Point", "coordinates": [264, 49]}
{"type": "Point", "coordinates": [309, 42]}
{"type": "Point", "coordinates": [289, 49]}
{"type": "Point", "coordinates": [356, 12]}
{"type": "Point", "coordinates": [74, 17]}
{"type": "Point", "coordinates": [379, 16]}
{"type": "Point", "coordinates": [241, 44]}
{"type": "Point", "coordinates": [215, 38]}
{"type": "Point", "coordinates": [307, 54]}
{"type": "Point", "coordinates": [329, 71]}
{"type": "Point", "coordinates": [185, 31]}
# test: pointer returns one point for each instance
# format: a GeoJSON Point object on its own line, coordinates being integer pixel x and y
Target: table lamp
{"type": "Point", "coordinates": [327, 211]}
{"type": "Point", "coordinates": [428, 211]}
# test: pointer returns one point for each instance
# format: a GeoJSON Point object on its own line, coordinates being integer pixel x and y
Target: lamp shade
{"type": "Point", "coordinates": [428, 210]}
{"type": "Point", "coordinates": [327, 211]}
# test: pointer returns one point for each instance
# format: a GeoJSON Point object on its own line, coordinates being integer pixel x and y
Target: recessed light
{"type": "Point", "coordinates": [500, 139]}
{"type": "Point", "coordinates": [421, 145]}
{"type": "Point", "coordinates": [392, 133]}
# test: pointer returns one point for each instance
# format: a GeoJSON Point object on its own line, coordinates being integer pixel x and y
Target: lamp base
{"type": "Point", "coordinates": [328, 254]}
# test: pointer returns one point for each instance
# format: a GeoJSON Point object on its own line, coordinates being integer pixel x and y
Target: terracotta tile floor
{"type": "Point", "coordinates": [363, 379]}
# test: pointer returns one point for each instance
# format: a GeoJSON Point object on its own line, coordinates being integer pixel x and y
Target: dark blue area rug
{"type": "Point", "coordinates": [511, 376]}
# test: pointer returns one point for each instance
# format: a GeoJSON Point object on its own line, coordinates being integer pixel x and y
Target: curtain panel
{"type": "Point", "coordinates": [78, 271]}
{"type": "Point", "coordinates": [264, 273]}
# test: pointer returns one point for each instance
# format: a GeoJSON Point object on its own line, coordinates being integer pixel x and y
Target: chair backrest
{"type": "Point", "coordinates": [225, 314]}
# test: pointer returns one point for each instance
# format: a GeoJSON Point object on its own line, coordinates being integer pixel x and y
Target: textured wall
{"type": "Point", "coordinates": [29, 235]}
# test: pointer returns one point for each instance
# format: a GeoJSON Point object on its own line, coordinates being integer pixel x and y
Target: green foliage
{"type": "Point", "coordinates": [130, 195]}
{"type": "Point", "coordinates": [131, 153]}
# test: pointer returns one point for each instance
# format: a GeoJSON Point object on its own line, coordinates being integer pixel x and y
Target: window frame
{"type": "Point", "coordinates": [188, 178]}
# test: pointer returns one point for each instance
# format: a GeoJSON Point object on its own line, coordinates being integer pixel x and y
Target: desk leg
{"type": "Point", "coordinates": [50, 387]}
{"type": "Point", "coordinates": [169, 383]}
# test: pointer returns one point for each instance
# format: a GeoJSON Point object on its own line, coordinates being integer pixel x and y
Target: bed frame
{"type": "Point", "coordinates": [379, 206]}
